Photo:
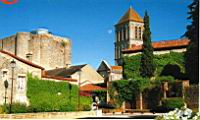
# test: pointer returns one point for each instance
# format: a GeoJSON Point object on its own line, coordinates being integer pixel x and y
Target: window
{"type": "Point", "coordinates": [140, 33]}
{"type": "Point", "coordinates": [29, 56]}
{"type": "Point", "coordinates": [127, 31]}
{"type": "Point", "coordinates": [136, 32]}
{"type": "Point", "coordinates": [21, 83]}
{"type": "Point", "coordinates": [4, 74]}
{"type": "Point", "coordinates": [124, 31]}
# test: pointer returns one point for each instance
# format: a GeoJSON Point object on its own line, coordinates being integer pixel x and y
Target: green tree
{"type": "Point", "coordinates": [147, 66]}
{"type": "Point", "coordinates": [192, 54]}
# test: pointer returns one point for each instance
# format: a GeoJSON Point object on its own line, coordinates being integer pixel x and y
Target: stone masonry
{"type": "Point", "coordinates": [38, 48]}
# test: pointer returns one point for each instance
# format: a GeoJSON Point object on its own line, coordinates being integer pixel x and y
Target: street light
{"type": "Point", "coordinates": [107, 85]}
{"type": "Point", "coordinates": [79, 73]}
{"type": "Point", "coordinates": [13, 65]}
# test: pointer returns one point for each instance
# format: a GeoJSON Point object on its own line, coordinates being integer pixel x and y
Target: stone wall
{"type": "Point", "coordinates": [46, 50]}
{"type": "Point", "coordinates": [49, 115]}
{"type": "Point", "coordinates": [8, 44]}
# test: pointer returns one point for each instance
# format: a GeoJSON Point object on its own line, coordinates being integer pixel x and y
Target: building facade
{"type": "Point", "coordinates": [18, 75]}
{"type": "Point", "coordinates": [85, 73]}
{"type": "Point", "coordinates": [38, 46]}
{"type": "Point", "coordinates": [128, 42]}
{"type": "Point", "coordinates": [109, 73]}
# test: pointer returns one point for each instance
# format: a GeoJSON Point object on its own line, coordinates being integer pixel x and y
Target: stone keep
{"type": "Point", "coordinates": [42, 48]}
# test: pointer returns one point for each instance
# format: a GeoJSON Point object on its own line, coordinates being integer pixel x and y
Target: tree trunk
{"type": "Point", "coordinates": [141, 103]}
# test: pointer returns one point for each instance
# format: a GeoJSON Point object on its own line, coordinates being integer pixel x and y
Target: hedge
{"type": "Point", "coordinates": [47, 96]}
{"type": "Point", "coordinates": [172, 103]}
{"type": "Point", "coordinates": [50, 96]}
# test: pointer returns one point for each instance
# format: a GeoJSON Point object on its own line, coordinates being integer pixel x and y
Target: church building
{"type": "Point", "coordinates": [128, 39]}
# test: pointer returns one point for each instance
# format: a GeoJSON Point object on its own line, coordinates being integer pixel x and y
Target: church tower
{"type": "Point", "coordinates": [128, 33]}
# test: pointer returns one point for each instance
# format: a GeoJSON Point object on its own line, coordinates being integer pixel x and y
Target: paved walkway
{"type": "Point", "coordinates": [125, 116]}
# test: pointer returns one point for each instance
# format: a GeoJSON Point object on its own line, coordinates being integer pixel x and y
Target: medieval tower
{"type": "Point", "coordinates": [128, 33]}
{"type": "Point", "coordinates": [40, 47]}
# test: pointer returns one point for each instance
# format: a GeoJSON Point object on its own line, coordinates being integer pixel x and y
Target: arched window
{"type": "Point", "coordinates": [140, 33]}
{"type": "Point", "coordinates": [136, 32]}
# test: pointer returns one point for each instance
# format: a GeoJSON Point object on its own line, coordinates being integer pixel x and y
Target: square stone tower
{"type": "Point", "coordinates": [128, 33]}
{"type": "Point", "coordinates": [40, 47]}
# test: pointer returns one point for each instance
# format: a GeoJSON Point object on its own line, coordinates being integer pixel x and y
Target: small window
{"type": "Point", "coordinates": [29, 56]}
{"type": "Point", "coordinates": [136, 32]}
{"type": "Point", "coordinates": [5, 73]}
{"type": "Point", "coordinates": [140, 33]}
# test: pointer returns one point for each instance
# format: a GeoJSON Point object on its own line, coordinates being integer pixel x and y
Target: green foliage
{"type": "Point", "coordinates": [132, 65]}
{"type": "Point", "coordinates": [147, 66]}
{"type": "Point", "coordinates": [126, 90]}
{"type": "Point", "coordinates": [140, 84]}
{"type": "Point", "coordinates": [161, 79]}
{"type": "Point", "coordinates": [192, 63]}
{"type": "Point", "coordinates": [172, 103]}
{"type": "Point", "coordinates": [123, 91]}
{"type": "Point", "coordinates": [46, 96]}
{"type": "Point", "coordinates": [192, 54]}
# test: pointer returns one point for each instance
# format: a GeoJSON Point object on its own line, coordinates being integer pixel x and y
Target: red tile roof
{"type": "Point", "coordinates": [90, 87]}
{"type": "Point", "coordinates": [167, 44]}
{"type": "Point", "coordinates": [130, 15]}
{"type": "Point", "coordinates": [60, 78]}
{"type": "Point", "coordinates": [116, 67]}
{"type": "Point", "coordinates": [22, 60]}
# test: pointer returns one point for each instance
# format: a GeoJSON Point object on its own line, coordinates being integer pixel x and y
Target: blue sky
{"type": "Point", "coordinates": [90, 23]}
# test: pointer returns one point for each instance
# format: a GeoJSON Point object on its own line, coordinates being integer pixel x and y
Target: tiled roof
{"type": "Point", "coordinates": [166, 45]}
{"type": "Point", "coordinates": [64, 72]}
{"type": "Point", "coordinates": [22, 60]}
{"type": "Point", "coordinates": [116, 67]}
{"type": "Point", "coordinates": [60, 78]}
{"type": "Point", "coordinates": [130, 15]}
{"type": "Point", "coordinates": [91, 87]}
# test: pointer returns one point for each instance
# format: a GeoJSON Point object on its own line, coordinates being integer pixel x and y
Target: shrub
{"type": "Point", "coordinates": [43, 96]}
{"type": "Point", "coordinates": [16, 108]}
{"type": "Point", "coordinates": [172, 103]}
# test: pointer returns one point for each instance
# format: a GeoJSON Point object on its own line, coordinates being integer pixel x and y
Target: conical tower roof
{"type": "Point", "coordinates": [130, 15]}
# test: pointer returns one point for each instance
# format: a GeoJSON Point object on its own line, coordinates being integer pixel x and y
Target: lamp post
{"type": "Point", "coordinates": [79, 80]}
{"type": "Point", "coordinates": [13, 65]}
{"type": "Point", "coordinates": [6, 87]}
{"type": "Point", "coordinates": [109, 77]}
